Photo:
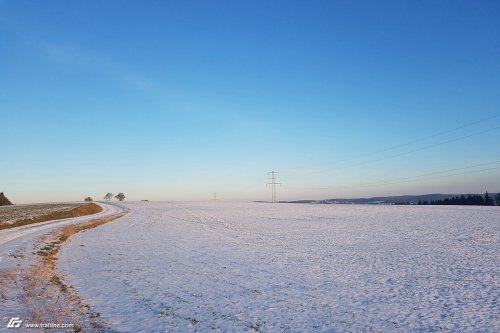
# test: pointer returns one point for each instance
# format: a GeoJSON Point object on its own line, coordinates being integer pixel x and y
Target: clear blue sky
{"type": "Point", "coordinates": [173, 100]}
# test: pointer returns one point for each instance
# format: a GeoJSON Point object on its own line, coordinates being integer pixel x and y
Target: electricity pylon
{"type": "Point", "coordinates": [273, 184]}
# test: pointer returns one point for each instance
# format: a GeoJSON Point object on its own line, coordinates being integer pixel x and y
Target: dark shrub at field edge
{"type": "Point", "coordinates": [4, 201]}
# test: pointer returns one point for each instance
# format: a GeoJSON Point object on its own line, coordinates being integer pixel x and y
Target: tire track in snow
{"type": "Point", "coordinates": [222, 267]}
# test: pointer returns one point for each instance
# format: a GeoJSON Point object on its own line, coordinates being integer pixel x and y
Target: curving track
{"type": "Point", "coordinates": [18, 242]}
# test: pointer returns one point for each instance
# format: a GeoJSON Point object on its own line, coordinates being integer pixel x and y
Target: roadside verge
{"type": "Point", "coordinates": [39, 294]}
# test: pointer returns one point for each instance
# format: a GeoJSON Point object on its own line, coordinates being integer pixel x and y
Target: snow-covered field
{"type": "Point", "coordinates": [11, 214]}
{"type": "Point", "coordinates": [233, 267]}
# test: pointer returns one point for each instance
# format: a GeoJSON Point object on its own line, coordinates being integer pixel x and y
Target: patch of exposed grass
{"type": "Point", "coordinates": [42, 295]}
{"type": "Point", "coordinates": [83, 210]}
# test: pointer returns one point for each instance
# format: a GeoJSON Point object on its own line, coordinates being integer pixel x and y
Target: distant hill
{"type": "Point", "coordinates": [4, 201]}
{"type": "Point", "coordinates": [382, 200]}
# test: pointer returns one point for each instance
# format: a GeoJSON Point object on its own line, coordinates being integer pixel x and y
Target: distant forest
{"type": "Point", "coordinates": [471, 199]}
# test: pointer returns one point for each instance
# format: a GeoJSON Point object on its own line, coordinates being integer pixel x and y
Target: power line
{"type": "Point", "coordinates": [437, 144]}
{"type": "Point", "coordinates": [273, 184]}
{"type": "Point", "coordinates": [435, 135]}
{"type": "Point", "coordinates": [409, 143]}
{"type": "Point", "coordinates": [410, 151]}
{"type": "Point", "coordinates": [413, 178]}
{"type": "Point", "coordinates": [426, 175]}
{"type": "Point", "coordinates": [431, 175]}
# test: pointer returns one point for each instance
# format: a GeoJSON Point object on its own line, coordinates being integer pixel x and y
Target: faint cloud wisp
{"type": "Point", "coordinates": [76, 56]}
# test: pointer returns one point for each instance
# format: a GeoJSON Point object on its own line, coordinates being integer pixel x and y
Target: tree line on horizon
{"type": "Point", "coordinates": [469, 200]}
{"type": "Point", "coordinates": [120, 197]}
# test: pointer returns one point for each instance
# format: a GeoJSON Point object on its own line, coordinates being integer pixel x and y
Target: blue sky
{"type": "Point", "coordinates": [174, 100]}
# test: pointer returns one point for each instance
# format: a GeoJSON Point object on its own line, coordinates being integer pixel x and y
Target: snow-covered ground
{"type": "Point", "coordinates": [233, 267]}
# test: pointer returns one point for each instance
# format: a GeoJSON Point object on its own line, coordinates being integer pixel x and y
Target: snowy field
{"type": "Point", "coordinates": [234, 267]}
{"type": "Point", "coordinates": [11, 214]}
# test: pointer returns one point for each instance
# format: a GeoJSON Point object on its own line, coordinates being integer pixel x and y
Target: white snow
{"type": "Point", "coordinates": [233, 267]}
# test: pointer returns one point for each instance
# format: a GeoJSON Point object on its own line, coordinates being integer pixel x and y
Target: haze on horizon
{"type": "Point", "coordinates": [174, 100]}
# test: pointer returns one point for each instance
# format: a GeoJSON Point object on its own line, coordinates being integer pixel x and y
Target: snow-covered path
{"type": "Point", "coordinates": [18, 242]}
{"type": "Point", "coordinates": [233, 267]}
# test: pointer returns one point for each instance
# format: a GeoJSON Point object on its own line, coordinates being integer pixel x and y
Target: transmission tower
{"type": "Point", "coordinates": [273, 184]}
{"type": "Point", "coordinates": [214, 196]}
